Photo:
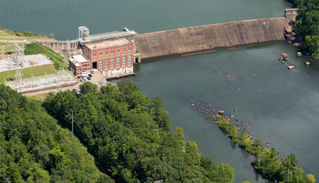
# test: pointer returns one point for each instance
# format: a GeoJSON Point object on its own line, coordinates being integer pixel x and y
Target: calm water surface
{"type": "Point", "coordinates": [286, 113]}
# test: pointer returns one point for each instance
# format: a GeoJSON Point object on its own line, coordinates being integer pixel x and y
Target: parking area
{"type": "Point", "coordinates": [91, 76]}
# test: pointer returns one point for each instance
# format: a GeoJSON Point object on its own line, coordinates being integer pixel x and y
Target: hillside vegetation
{"type": "Point", "coordinates": [34, 148]}
{"type": "Point", "coordinates": [307, 24]}
{"type": "Point", "coordinates": [131, 136]}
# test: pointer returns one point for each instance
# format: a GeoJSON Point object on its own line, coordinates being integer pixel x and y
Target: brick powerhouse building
{"type": "Point", "coordinates": [79, 64]}
{"type": "Point", "coordinates": [113, 57]}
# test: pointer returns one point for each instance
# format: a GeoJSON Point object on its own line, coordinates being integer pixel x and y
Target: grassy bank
{"type": "Point", "coordinates": [9, 33]}
{"type": "Point", "coordinates": [35, 48]}
{"type": "Point", "coordinates": [268, 162]}
{"type": "Point", "coordinates": [8, 48]}
{"type": "Point", "coordinates": [35, 71]}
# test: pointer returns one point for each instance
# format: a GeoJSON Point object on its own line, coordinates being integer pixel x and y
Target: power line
{"type": "Point", "coordinates": [40, 7]}
{"type": "Point", "coordinates": [93, 148]}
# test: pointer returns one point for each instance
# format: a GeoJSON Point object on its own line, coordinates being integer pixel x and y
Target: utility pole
{"type": "Point", "coordinates": [72, 123]}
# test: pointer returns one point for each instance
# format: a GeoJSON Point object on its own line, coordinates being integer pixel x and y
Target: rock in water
{"type": "Point", "coordinates": [299, 54]}
{"type": "Point", "coordinates": [284, 55]}
{"type": "Point", "coordinates": [291, 67]}
{"type": "Point", "coordinates": [221, 112]}
{"type": "Point", "coordinates": [307, 63]}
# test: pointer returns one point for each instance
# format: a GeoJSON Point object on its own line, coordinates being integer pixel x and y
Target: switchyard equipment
{"type": "Point", "coordinates": [47, 81]}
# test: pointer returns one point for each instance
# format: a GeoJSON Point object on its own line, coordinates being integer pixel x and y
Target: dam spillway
{"type": "Point", "coordinates": [207, 37]}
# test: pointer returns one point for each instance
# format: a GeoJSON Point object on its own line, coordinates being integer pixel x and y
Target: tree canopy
{"type": "Point", "coordinates": [34, 148]}
{"type": "Point", "coordinates": [131, 136]}
{"type": "Point", "coordinates": [307, 24]}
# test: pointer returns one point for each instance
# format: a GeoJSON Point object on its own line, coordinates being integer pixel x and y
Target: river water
{"type": "Point", "coordinates": [284, 115]}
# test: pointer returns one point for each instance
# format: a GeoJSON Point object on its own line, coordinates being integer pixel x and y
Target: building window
{"type": "Point", "coordinates": [106, 62]}
{"type": "Point", "coordinates": [130, 49]}
{"type": "Point", "coordinates": [94, 54]}
{"type": "Point", "coordinates": [112, 61]}
{"type": "Point", "coordinates": [100, 64]}
{"type": "Point", "coordinates": [106, 53]}
{"type": "Point", "coordinates": [129, 58]}
{"type": "Point", "coordinates": [112, 51]}
{"type": "Point", "coordinates": [100, 53]}
{"type": "Point", "coordinates": [118, 51]}
{"type": "Point", "coordinates": [124, 50]}
{"type": "Point", "coordinates": [123, 59]}
{"type": "Point", "coordinates": [118, 61]}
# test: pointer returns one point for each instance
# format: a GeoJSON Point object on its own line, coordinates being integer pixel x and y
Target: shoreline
{"type": "Point", "coordinates": [264, 158]}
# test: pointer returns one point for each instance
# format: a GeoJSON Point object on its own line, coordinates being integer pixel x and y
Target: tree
{"type": "Point", "coordinates": [310, 178]}
{"type": "Point", "coordinates": [59, 157]}
{"type": "Point", "coordinates": [226, 173]}
{"type": "Point", "coordinates": [88, 87]}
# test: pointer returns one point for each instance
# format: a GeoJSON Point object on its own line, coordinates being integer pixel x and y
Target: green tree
{"type": "Point", "coordinates": [59, 157]}
{"type": "Point", "coordinates": [88, 87]}
{"type": "Point", "coordinates": [310, 178]}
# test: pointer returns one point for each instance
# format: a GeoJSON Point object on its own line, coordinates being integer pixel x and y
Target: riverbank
{"type": "Point", "coordinates": [268, 162]}
{"type": "Point", "coordinates": [9, 35]}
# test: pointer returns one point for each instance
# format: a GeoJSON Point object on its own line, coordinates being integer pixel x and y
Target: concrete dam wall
{"type": "Point", "coordinates": [208, 37]}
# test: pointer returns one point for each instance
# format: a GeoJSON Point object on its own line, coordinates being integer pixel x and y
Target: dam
{"type": "Point", "coordinates": [207, 37]}
{"type": "Point", "coordinates": [189, 40]}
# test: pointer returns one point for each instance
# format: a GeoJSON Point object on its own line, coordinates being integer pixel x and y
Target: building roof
{"type": "Point", "coordinates": [78, 59]}
{"type": "Point", "coordinates": [108, 43]}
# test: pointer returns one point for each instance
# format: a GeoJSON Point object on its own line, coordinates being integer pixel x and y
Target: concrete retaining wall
{"type": "Point", "coordinates": [66, 49]}
{"type": "Point", "coordinates": [208, 37]}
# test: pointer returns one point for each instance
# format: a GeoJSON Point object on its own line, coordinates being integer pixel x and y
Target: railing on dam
{"type": "Point", "coordinates": [94, 37]}
{"type": "Point", "coordinates": [52, 41]}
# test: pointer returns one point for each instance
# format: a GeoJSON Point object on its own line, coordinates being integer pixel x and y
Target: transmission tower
{"type": "Point", "coordinates": [18, 76]}
{"type": "Point", "coordinates": [18, 53]}
{"type": "Point", "coordinates": [10, 61]}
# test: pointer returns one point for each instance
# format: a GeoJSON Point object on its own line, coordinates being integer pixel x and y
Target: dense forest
{"type": "Point", "coordinates": [131, 136]}
{"type": "Point", "coordinates": [307, 24]}
{"type": "Point", "coordinates": [34, 148]}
